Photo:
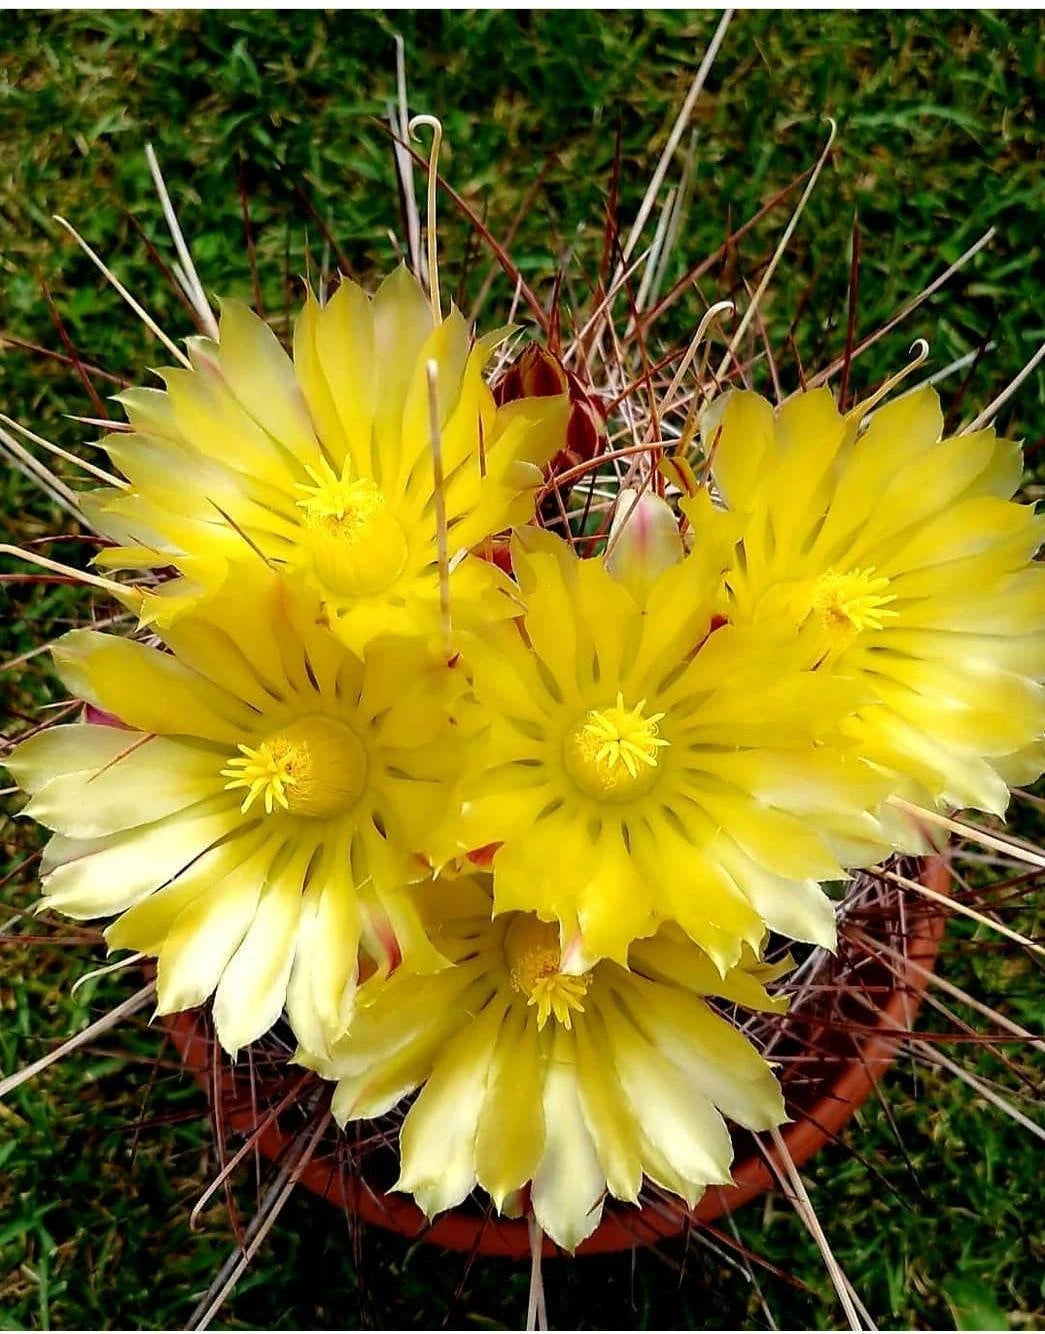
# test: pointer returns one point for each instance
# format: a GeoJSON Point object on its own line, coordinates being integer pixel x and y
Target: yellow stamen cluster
{"type": "Point", "coordinates": [338, 504]}
{"type": "Point", "coordinates": [531, 950]}
{"type": "Point", "coordinates": [350, 535]}
{"type": "Point", "coordinates": [615, 752]}
{"type": "Point", "coordinates": [315, 767]}
{"type": "Point", "coordinates": [847, 603]}
{"type": "Point", "coordinates": [266, 771]}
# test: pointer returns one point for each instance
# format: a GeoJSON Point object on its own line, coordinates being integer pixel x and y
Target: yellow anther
{"type": "Point", "coordinates": [315, 767]}
{"type": "Point", "coordinates": [350, 536]}
{"type": "Point", "coordinates": [531, 949]}
{"type": "Point", "coordinates": [338, 504]}
{"type": "Point", "coordinates": [848, 603]}
{"type": "Point", "coordinates": [266, 771]}
{"type": "Point", "coordinates": [615, 752]}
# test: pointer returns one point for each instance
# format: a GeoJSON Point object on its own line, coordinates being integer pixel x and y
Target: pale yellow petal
{"type": "Point", "coordinates": [311, 376]}
{"type": "Point", "coordinates": [76, 748]}
{"type": "Point", "coordinates": [253, 987]}
{"type": "Point", "coordinates": [510, 1138]}
{"type": "Point", "coordinates": [145, 926]}
{"type": "Point", "coordinates": [113, 873]}
{"type": "Point", "coordinates": [149, 411]}
{"type": "Point", "coordinates": [149, 778]}
{"type": "Point", "coordinates": [321, 990]}
{"type": "Point", "coordinates": [930, 482]}
{"type": "Point", "coordinates": [717, 1059]}
{"type": "Point", "coordinates": [569, 1185]}
{"type": "Point", "coordinates": [437, 1142]}
{"type": "Point", "coordinates": [613, 899]}
{"type": "Point", "coordinates": [611, 1124]}
{"type": "Point", "coordinates": [207, 413]}
{"type": "Point", "coordinates": [345, 348]}
{"type": "Point", "coordinates": [206, 933]}
{"type": "Point", "coordinates": [669, 957]}
{"type": "Point", "coordinates": [773, 838]}
{"type": "Point", "coordinates": [810, 432]}
{"type": "Point", "coordinates": [403, 320]}
{"type": "Point", "coordinates": [686, 1146]}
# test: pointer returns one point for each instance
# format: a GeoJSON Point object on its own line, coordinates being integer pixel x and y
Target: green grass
{"type": "Point", "coordinates": [938, 140]}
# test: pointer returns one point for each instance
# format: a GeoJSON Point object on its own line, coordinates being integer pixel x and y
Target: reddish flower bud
{"type": "Point", "coordinates": [537, 373]}
{"type": "Point", "coordinates": [500, 553]}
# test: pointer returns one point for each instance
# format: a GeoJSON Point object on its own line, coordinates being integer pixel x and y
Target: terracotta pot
{"type": "Point", "coordinates": [855, 1054]}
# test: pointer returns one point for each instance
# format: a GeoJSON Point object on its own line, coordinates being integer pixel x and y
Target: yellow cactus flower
{"type": "Point", "coordinates": [253, 815]}
{"type": "Point", "coordinates": [577, 1085]}
{"type": "Point", "coordinates": [645, 763]}
{"type": "Point", "coordinates": [901, 560]}
{"type": "Point", "coordinates": [323, 465]}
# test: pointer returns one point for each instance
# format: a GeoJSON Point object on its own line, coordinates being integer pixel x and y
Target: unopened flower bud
{"type": "Point", "coordinates": [538, 373]}
{"type": "Point", "coordinates": [644, 540]}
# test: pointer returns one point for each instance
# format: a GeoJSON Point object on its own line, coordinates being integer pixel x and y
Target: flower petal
{"type": "Point", "coordinates": [261, 378]}
{"type": "Point", "coordinates": [686, 1146]}
{"type": "Point", "coordinates": [714, 1056]}
{"type": "Point", "coordinates": [206, 933]}
{"type": "Point", "coordinates": [569, 1185]}
{"type": "Point", "coordinates": [106, 876]}
{"type": "Point", "coordinates": [253, 987]}
{"type": "Point", "coordinates": [607, 1113]}
{"type": "Point", "coordinates": [148, 690]}
{"type": "Point", "coordinates": [510, 1138]}
{"type": "Point", "coordinates": [322, 987]}
{"type": "Point", "coordinates": [150, 778]}
{"type": "Point", "coordinates": [437, 1144]}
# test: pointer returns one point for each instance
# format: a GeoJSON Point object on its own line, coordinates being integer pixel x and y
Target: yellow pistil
{"type": "Point", "coordinates": [531, 949]}
{"type": "Point", "coordinates": [341, 506]}
{"type": "Point", "coordinates": [614, 752]}
{"type": "Point", "coordinates": [315, 767]}
{"type": "Point", "coordinates": [848, 603]}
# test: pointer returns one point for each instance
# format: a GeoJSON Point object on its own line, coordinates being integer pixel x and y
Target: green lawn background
{"type": "Point", "coordinates": [939, 139]}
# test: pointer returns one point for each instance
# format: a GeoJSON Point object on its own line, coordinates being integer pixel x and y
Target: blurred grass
{"type": "Point", "coordinates": [939, 138]}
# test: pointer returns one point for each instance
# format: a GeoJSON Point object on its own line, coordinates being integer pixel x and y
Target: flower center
{"type": "Point", "coordinates": [315, 767]}
{"type": "Point", "coordinates": [614, 753]}
{"type": "Point", "coordinates": [356, 545]}
{"type": "Point", "coordinates": [531, 949]}
{"type": "Point", "coordinates": [845, 604]}
{"type": "Point", "coordinates": [339, 505]}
